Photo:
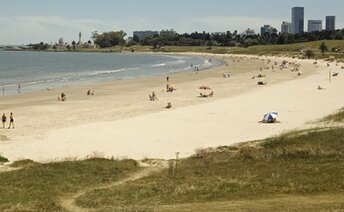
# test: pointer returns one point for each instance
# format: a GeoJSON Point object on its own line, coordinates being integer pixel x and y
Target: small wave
{"type": "Point", "coordinates": [207, 62]}
{"type": "Point", "coordinates": [177, 62]}
{"type": "Point", "coordinates": [158, 65]}
{"type": "Point", "coordinates": [95, 73]}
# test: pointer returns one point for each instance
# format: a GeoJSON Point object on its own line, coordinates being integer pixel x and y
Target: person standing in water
{"type": "Point", "coordinates": [19, 89]}
{"type": "Point", "coordinates": [11, 121]}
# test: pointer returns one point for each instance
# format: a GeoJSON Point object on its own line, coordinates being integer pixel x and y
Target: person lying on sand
{"type": "Point", "coordinates": [321, 88]}
{"type": "Point", "coordinates": [261, 83]}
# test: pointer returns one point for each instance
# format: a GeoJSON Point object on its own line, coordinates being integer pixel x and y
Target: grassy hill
{"type": "Point", "coordinates": [38, 187]}
{"type": "Point", "coordinates": [299, 170]}
{"type": "Point", "coordinates": [304, 163]}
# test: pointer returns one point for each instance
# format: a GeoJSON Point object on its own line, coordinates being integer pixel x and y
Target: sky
{"type": "Point", "coordinates": [33, 21]}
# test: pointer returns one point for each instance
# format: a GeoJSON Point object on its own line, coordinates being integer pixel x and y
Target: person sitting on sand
{"type": "Point", "coordinates": [93, 93]}
{"type": "Point", "coordinates": [88, 92]}
{"type": "Point", "coordinates": [62, 97]}
{"type": "Point", "coordinates": [153, 97]}
{"type": "Point", "coordinates": [169, 105]}
{"type": "Point", "coordinates": [211, 94]}
{"type": "Point", "coordinates": [3, 119]}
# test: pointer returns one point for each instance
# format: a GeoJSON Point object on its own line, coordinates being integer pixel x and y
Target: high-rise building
{"type": "Point", "coordinates": [330, 23]}
{"type": "Point", "coordinates": [286, 27]}
{"type": "Point", "coordinates": [314, 25]}
{"type": "Point", "coordinates": [267, 29]}
{"type": "Point", "coordinates": [297, 20]}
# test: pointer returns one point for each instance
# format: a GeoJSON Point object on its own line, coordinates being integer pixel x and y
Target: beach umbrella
{"type": "Point", "coordinates": [270, 117]}
{"type": "Point", "coordinates": [205, 88]}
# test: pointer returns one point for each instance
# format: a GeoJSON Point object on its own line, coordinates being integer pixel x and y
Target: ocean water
{"type": "Point", "coordinates": [41, 70]}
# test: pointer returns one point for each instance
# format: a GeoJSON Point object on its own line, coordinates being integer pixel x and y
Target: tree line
{"type": "Point", "coordinates": [245, 39]}
{"type": "Point", "coordinates": [235, 39]}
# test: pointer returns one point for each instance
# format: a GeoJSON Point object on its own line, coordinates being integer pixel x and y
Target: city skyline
{"type": "Point", "coordinates": [36, 20]}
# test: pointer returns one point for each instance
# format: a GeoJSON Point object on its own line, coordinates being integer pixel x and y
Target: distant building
{"type": "Point", "coordinates": [60, 44]}
{"type": "Point", "coordinates": [267, 29]}
{"type": "Point", "coordinates": [314, 25]}
{"type": "Point", "coordinates": [141, 35]}
{"type": "Point", "coordinates": [167, 33]}
{"type": "Point", "coordinates": [249, 32]}
{"type": "Point", "coordinates": [286, 27]}
{"type": "Point", "coordinates": [330, 23]}
{"type": "Point", "coordinates": [297, 20]}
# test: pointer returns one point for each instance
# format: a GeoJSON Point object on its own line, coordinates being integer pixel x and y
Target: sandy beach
{"type": "Point", "coordinates": [120, 121]}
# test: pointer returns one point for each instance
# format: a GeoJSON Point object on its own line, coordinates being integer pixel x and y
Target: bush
{"type": "Point", "coordinates": [3, 159]}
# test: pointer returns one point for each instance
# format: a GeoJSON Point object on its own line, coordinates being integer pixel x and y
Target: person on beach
{"type": "Point", "coordinates": [167, 79]}
{"type": "Point", "coordinates": [19, 89]}
{"type": "Point", "coordinates": [62, 97]}
{"type": "Point", "coordinates": [169, 105]}
{"type": "Point", "coordinates": [153, 97]}
{"type": "Point", "coordinates": [11, 121]}
{"type": "Point", "coordinates": [3, 119]}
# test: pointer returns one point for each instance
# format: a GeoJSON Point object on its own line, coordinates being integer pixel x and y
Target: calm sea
{"type": "Point", "coordinates": [41, 70]}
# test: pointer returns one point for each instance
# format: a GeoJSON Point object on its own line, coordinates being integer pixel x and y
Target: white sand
{"type": "Point", "coordinates": [120, 121]}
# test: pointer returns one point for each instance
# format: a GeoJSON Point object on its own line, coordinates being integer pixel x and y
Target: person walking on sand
{"type": "Point", "coordinates": [11, 121]}
{"type": "Point", "coordinates": [3, 119]}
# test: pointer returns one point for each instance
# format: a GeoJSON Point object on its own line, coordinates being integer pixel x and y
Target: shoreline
{"type": "Point", "coordinates": [170, 64]}
{"type": "Point", "coordinates": [127, 124]}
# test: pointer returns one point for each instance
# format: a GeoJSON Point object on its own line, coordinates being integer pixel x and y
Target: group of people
{"type": "Point", "coordinates": [4, 120]}
{"type": "Point", "coordinates": [89, 92]}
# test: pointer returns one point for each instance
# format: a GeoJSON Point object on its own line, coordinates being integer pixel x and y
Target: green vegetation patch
{"type": "Point", "coordinates": [38, 187]}
{"type": "Point", "coordinates": [298, 163]}
{"type": "Point", "coordinates": [3, 159]}
{"type": "Point", "coordinates": [337, 117]}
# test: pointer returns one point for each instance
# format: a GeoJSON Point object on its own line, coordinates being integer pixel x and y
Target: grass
{"type": "Point", "coordinates": [37, 187]}
{"type": "Point", "coordinates": [298, 163]}
{"type": "Point", "coordinates": [337, 117]}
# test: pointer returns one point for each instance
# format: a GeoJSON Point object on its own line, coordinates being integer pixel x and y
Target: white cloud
{"type": "Point", "coordinates": [223, 23]}
{"type": "Point", "coordinates": [32, 29]}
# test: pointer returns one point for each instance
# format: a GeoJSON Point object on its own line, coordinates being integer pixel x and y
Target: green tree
{"type": "Point", "coordinates": [94, 35]}
{"type": "Point", "coordinates": [110, 39]}
{"type": "Point", "coordinates": [74, 45]}
{"type": "Point", "coordinates": [323, 48]}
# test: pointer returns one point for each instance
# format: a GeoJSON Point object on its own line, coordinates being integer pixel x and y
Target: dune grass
{"type": "Point", "coordinates": [337, 117]}
{"type": "Point", "coordinates": [37, 187]}
{"type": "Point", "coordinates": [298, 163]}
